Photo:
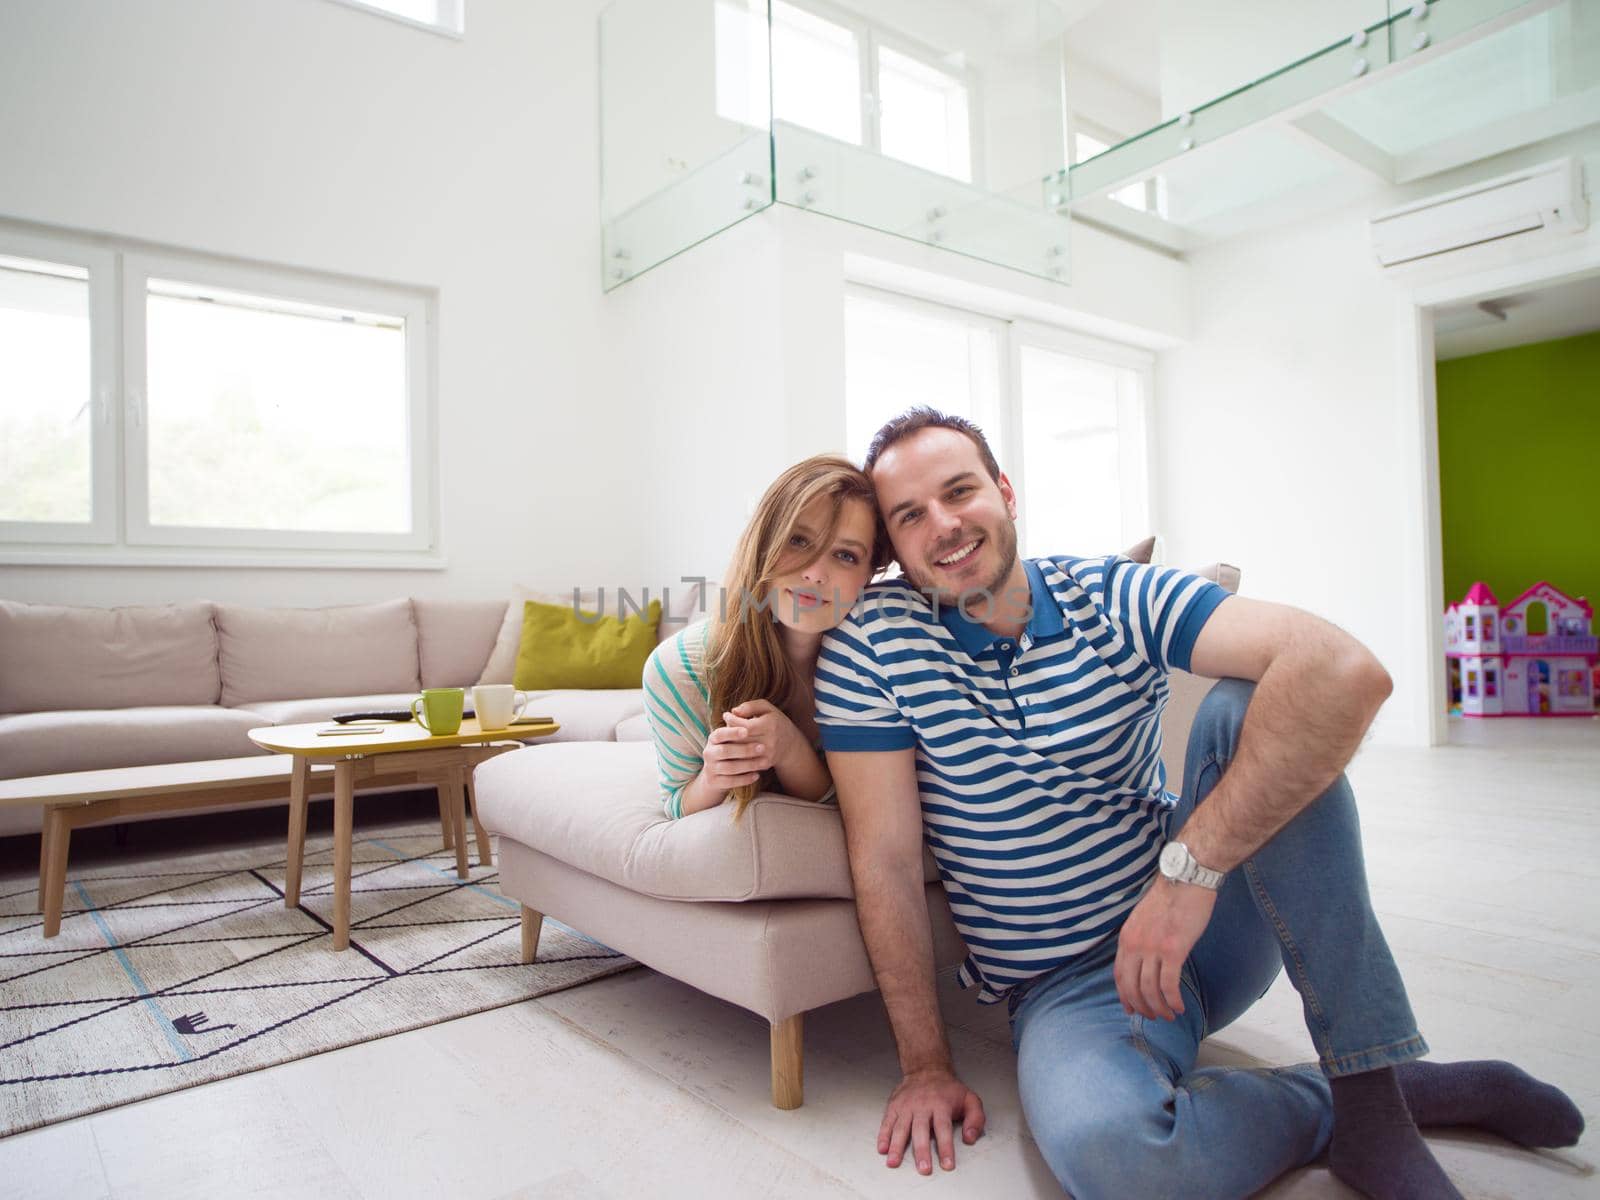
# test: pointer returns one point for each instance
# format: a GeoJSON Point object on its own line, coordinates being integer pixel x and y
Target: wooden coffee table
{"type": "Point", "coordinates": [404, 749]}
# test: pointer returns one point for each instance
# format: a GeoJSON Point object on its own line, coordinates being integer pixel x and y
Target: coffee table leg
{"type": "Point", "coordinates": [299, 782]}
{"type": "Point", "coordinates": [444, 817]}
{"type": "Point", "coordinates": [458, 817]}
{"type": "Point", "coordinates": [343, 816]}
{"type": "Point", "coordinates": [485, 853]}
{"type": "Point", "coordinates": [44, 858]}
{"type": "Point", "coordinates": [58, 835]}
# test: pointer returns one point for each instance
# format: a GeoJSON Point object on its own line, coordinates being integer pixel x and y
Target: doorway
{"type": "Point", "coordinates": [1508, 401]}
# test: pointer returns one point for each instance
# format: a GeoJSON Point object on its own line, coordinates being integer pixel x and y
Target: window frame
{"type": "Point", "coordinates": [869, 38]}
{"type": "Point", "coordinates": [1135, 393]}
{"type": "Point", "coordinates": [119, 533]}
{"type": "Point", "coordinates": [1135, 398]}
{"type": "Point", "coordinates": [137, 271]}
{"type": "Point", "coordinates": [104, 433]}
{"type": "Point", "coordinates": [872, 101]}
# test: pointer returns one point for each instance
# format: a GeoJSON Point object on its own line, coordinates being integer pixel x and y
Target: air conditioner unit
{"type": "Point", "coordinates": [1548, 197]}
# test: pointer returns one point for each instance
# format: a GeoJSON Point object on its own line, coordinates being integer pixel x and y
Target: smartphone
{"type": "Point", "coordinates": [533, 720]}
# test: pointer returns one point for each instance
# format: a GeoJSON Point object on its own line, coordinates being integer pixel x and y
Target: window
{"type": "Point", "coordinates": [816, 73]}
{"type": "Point", "coordinates": [923, 115]}
{"type": "Point", "coordinates": [249, 409]}
{"type": "Point", "coordinates": [1472, 628]}
{"type": "Point", "coordinates": [47, 422]}
{"type": "Point", "coordinates": [1538, 618]}
{"type": "Point", "coordinates": [900, 353]}
{"type": "Point", "coordinates": [440, 16]}
{"type": "Point", "coordinates": [842, 77]}
{"type": "Point", "coordinates": [1488, 627]}
{"type": "Point", "coordinates": [1083, 450]}
{"type": "Point", "coordinates": [1064, 414]}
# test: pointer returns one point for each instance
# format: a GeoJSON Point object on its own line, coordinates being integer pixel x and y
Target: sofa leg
{"type": "Point", "coordinates": [532, 922]}
{"type": "Point", "coordinates": [788, 1062]}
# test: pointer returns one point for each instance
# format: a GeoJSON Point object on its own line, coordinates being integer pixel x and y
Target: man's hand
{"type": "Point", "coordinates": [924, 1109]}
{"type": "Point", "coordinates": [1154, 944]}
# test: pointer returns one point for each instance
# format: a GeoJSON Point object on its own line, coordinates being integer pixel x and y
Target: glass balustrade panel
{"type": "Point", "coordinates": [958, 121]}
{"type": "Point", "coordinates": [685, 125]}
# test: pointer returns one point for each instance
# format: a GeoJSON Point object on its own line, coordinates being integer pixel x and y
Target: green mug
{"type": "Point", "coordinates": [438, 710]}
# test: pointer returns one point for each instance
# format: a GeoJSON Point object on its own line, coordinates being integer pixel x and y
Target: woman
{"type": "Point", "coordinates": [729, 700]}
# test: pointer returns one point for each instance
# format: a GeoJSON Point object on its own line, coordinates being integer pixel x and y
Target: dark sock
{"type": "Point", "coordinates": [1376, 1147]}
{"type": "Point", "coordinates": [1491, 1095]}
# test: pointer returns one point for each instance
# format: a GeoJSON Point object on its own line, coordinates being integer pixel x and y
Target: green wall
{"type": "Point", "coordinates": [1519, 468]}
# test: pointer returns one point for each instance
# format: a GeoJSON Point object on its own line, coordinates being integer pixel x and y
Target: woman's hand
{"type": "Point", "coordinates": [766, 723]}
{"type": "Point", "coordinates": [735, 757]}
{"type": "Point", "coordinates": [800, 771]}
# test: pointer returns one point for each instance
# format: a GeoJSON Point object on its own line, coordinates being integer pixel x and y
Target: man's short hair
{"type": "Point", "coordinates": [924, 417]}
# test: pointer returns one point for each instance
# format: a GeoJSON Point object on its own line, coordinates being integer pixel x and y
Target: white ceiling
{"type": "Point", "coordinates": [1562, 310]}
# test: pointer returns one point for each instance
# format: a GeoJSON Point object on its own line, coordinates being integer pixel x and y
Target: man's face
{"type": "Point", "coordinates": [953, 527]}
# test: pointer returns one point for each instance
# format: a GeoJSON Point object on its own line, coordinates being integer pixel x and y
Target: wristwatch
{"type": "Point", "coordinates": [1178, 865]}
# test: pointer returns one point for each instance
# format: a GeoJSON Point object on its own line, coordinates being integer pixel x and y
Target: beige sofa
{"type": "Point", "coordinates": [759, 912]}
{"type": "Point", "coordinates": [85, 689]}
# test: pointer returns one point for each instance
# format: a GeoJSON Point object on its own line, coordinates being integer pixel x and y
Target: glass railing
{"type": "Point", "coordinates": [1423, 89]}
{"type": "Point", "coordinates": [936, 121]}
{"type": "Point", "coordinates": [981, 127]}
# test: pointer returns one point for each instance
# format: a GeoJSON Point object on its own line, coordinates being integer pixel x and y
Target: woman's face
{"type": "Point", "coordinates": [819, 584]}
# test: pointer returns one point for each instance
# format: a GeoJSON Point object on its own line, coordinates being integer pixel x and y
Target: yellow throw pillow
{"type": "Point", "coordinates": [563, 649]}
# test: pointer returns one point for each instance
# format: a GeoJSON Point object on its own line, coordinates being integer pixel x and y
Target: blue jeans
{"type": "Point", "coordinates": [1115, 1102]}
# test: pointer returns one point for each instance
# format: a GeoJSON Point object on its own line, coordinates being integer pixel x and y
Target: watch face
{"type": "Point", "coordinates": [1173, 859]}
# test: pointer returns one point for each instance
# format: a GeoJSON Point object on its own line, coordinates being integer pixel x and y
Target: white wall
{"type": "Point", "coordinates": [739, 342]}
{"type": "Point", "coordinates": [1294, 429]}
{"type": "Point", "coordinates": [586, 438]}
{"type": "Point", "coordinates": [1277, 429]}
{"type": "Point", "coordinates": [312, 134]}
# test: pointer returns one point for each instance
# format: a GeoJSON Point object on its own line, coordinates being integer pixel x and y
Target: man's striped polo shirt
{"type": "Point", "coordinates": [1044, 800]}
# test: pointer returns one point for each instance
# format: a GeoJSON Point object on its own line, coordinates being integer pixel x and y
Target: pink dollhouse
{"type": "Point", "coordinates": [1532, 658]}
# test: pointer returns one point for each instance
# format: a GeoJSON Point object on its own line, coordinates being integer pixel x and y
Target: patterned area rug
{"type": "Point", "coordinates": [162, 979]}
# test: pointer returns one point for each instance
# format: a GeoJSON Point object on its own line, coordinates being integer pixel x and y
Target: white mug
{"type": "Point", "coordinates": [497, 704]}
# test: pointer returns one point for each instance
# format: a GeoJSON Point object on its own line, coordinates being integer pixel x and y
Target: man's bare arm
{"type": "Point", "coordinates": [883, 829]}
{"type": "Point", "coordinates": [1317, 690]}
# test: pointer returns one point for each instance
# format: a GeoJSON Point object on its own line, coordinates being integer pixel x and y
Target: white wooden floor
{"type": "Point", "coordinates": [1485, 863]}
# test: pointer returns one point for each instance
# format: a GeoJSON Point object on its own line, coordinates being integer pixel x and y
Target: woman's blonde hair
{"type": "Point", "coordinates": [745, 659]}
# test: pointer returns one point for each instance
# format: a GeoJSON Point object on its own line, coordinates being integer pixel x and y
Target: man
{"type": "Point", "coordinates": [1009, 712]}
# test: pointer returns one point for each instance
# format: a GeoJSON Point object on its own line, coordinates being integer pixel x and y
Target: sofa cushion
{"type": "Point", "coordinates": [454, 638]}
{"type": "Point", "coordinates": [634, 729]}
{"type": "Point", "coordinates": [586, 716]}
{"type": "Point", "coordinates": [57, 657]}
{"type": "Point", "coordinates": [681, 604]}
{"type": "Point", "coordinates": [300, 712]}
{"type": "Point", "coordinates": [49, 743]}
{"type": "Point", "coordinates": [562, 649]}
{"type": "Point", "coordinates": [360, 649]}
{"type": "Point", "coordinates": [598, 808]}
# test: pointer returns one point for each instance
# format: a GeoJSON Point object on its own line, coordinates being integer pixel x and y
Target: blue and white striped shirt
{"type": "Point", "coordinates": [1044, 800]}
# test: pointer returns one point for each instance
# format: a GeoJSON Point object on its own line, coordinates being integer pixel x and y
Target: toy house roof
{"type": "Point", "coordinates": [1552, 596]}
{"type": "Point", "coordinates": [1479, 593]}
